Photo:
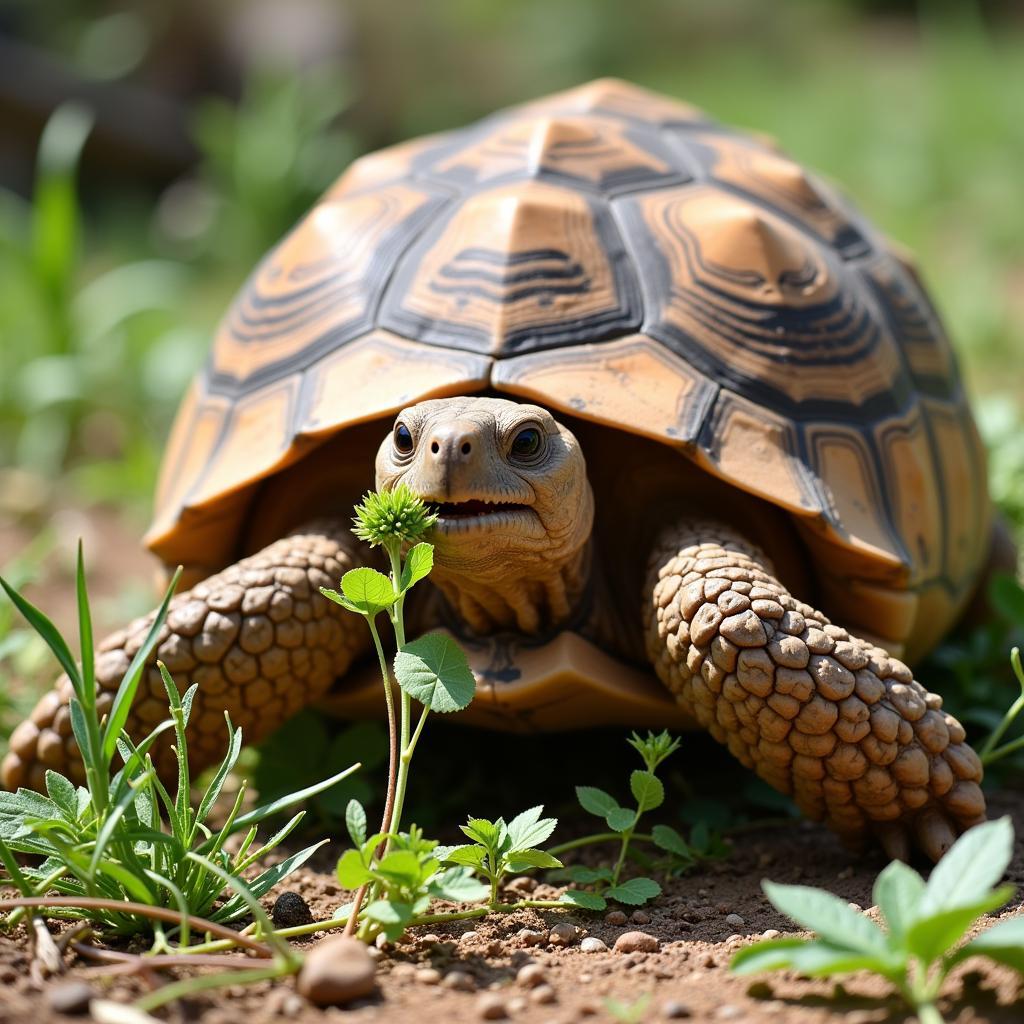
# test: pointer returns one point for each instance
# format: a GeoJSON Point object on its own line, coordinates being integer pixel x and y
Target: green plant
{"type": "Point", "coordinates": [123, 836]}
{"type": "Point", "coordinates": [648, 794]}
{"type": "Point", "coordinates": [923, 923]}
{"type": "Point", "coordinates": [498, 849]}
{"type": "Point", "coordinates": [628, 1013]}
{"type": "Point", "coordinates": [432, 669]}
{"type": "Point", "coordinates": [991, 750]}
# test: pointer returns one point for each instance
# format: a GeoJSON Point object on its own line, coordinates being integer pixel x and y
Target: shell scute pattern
{"type": "Point", "coordinates": [619, 256]}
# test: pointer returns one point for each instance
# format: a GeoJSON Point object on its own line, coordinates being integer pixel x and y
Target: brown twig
{"type": "Point", "coordinates": [130, 907]}
{"type": "Point", "coordinates": [159, 960]}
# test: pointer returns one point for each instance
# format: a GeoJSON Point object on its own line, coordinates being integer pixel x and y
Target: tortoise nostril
{"type": "Point", "coordinates": [466, 448]}
{"type": "Point", "coordinates": [435, 447]}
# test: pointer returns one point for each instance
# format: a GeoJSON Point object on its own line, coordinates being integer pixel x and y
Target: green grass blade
{"type": "Point", "coordinates": [49, 633]}
{"type": "Point", "coordinates": [277, 838]}
{"type": "Point", "coordinates": [217, 782]}
{"type": "Point", "coordinates": [284, 802]}
{"type": "Point", "coordinates": [85, 639]}
{"type": "Point", "coordinates": [130, 683]}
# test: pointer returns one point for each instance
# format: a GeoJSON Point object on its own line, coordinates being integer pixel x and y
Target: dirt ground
{"type": "Point", "coordinates": [687, 978]}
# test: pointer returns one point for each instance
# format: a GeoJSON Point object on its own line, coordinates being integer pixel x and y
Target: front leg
{"type": "Point", "coordinates": [259, 638]}
{"type": "Point", "coordinates": [818, 714]}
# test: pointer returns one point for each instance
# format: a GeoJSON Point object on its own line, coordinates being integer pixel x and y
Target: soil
{"type": "Point", "coordinates": [687, 978]}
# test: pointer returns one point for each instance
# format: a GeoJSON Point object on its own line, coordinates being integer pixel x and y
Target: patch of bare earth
{"type": "Point", "coordinates": [467, 969]}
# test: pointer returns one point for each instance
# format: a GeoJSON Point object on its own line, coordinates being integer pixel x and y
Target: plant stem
{"type": "Point", "coordinates": [188, 986]}
{"type": "Point", "coordinates": [989, 752]}
{"type": "Point", "coordinates": [597, 837]}
{"type": "Point", "coordinates": [928, 1013]}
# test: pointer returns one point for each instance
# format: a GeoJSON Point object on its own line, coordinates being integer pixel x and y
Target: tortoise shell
{"type": "Point", "coordinates": [620, 257]}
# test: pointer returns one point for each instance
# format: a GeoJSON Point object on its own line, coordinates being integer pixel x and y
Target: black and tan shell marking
{"type": "Point", "coordinates": [620, 256]}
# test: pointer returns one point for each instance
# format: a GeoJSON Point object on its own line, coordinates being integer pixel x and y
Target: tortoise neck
{"type": "Point", "coordinates": [531, 602]}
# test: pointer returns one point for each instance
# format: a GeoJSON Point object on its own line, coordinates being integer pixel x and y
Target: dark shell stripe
{"type": "Point", "coordinates": [617, 255]}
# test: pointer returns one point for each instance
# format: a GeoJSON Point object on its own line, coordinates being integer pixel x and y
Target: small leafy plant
{"type": "Point", "coordinates": [498, 849]}
{"type": "Point", "coordinates": [923, 923]}
{"type": "Point", "coordinates": [648, 794]}
{"type": "Point", "coordinates": [992, 749]}
{"type": "Point", "coordinates": [431, 670]}
{"type": "Point", "coordinates": [123, 836]}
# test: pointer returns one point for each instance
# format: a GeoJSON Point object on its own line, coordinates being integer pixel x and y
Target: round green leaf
{"type": "Point", "coordinates": [635, 891]}
{"type": "Point", "coordinates": [434, 671]}
{"type": "Point", "coordinates": [619, 819]}
{"type": "Point", "coordinates": [368, 590]}
{"type": "Point", "coordinates": [647, 790]}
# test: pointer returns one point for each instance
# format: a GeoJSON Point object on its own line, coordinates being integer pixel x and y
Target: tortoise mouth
{"type": "Point", "coordinates": [478, 513]}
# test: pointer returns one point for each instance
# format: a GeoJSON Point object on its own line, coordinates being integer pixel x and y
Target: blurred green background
{"type": "Point", "coordinates": [150, 152]}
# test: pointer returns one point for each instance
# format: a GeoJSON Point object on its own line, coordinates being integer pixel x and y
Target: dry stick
{"type": "Point", "coordinates": [129, 907]}
{"type": "Point", "coordinates": [137, 962]}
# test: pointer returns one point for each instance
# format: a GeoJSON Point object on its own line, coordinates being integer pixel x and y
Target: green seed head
{"type": "Point", "coordinates": [385, 517]}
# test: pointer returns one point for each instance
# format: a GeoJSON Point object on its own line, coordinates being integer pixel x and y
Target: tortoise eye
{"type": "Point", "coordinates": [527, 443]}
{"type": "Point", "coordinates": [403, 439]}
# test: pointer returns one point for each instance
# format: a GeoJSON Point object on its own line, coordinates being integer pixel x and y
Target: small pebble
{"type": "Point", "coordinates": [728, 1012]}
{"type": "Point", "coordinates": [70, 997]}
{"type": "Point", "coordinates": [735, 921]}
{"type": "Point", "coordinates": [292, 1005]}
{"type": "Point", "coordinates": [543, 994]}
{"type": "Point", "coordinates": [592, 944]}
{"type": "Point", "coordinates": [530, 937]}
{"type": "Point", "coordinates": [517, 1004]}
{"type": "Point", "coordinates": [563, 934]}
{"type": "Point", "coordinates": [336, 971]}
{"type": "Point", "coordinates": [375, 953]}
{"type": "Point", "coordinates": [771, 933]}
{"type": "Point", "coordinates": [531, 976]}
{"type": "Point", "coordinates": [675, 1010]}
{"type": "Point", "coordinates": [491, 1006]}
{"type": "Point", "coordinates": [428, 976]}
{"type": "Point", "coordinates": [403, 971]}
{"type": "Point", "coordinates": [291, 910]}
{"type": "Point", "coordinates": [460, 981]}
{"type": "Point", "coordinates": [640, 917]}
{"type": "Point", "coordinates": [636, 942]}
{"type": "Point", "coordinates": [430, 939]}
{"type": "Point", "coordinates": [469, 936]}
{"type": "Point", "coordinates": [615, 917]}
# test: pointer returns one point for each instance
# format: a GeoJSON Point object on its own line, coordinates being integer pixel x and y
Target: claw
{"type": "Point", "coordinates": [934, 833]}
{"type": "Point", "coordinates": [895, 840]}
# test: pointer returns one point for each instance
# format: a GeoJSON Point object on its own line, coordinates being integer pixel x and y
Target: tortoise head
{"type": "Point", "coordinates": [508, 482]}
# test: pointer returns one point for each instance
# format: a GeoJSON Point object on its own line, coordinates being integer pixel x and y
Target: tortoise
{"type": "Point", "coordinates": [662, 386]}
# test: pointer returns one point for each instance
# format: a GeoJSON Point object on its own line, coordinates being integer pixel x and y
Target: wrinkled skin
{"type": "Point", "coordinates": [816, 712]}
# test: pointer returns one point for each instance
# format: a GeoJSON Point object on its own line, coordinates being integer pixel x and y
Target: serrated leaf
{"type": "Point", "coordinates": [434, 671]}
{"type": "Point", "coordinates": [930, 937]}
{"type": "Point", "coordinates": [1004, 942]}
{"type": "Point", "coordinates": [811, 958]}
{"type": "Point", "coordinates": [634, 892]}
{"type": "Point", "coordinates": [970, 868]}
{"type": "Point", "coordinates": [585, 900]}
{"type": "Point", "coordinates": [368, 591]}
{"type": "Point", "coordinates": [619, 819]}
{"type": "Point", "coordinates": [457, 885]}
{"type": "Point", "coordinates": [351, 871]}
{"type": "Point", "coordinates": [897, 892]}
{"type": "Point", "coordinates": [418, 563]}
{"type": "Point", "coordinates": [667, 838]}
{"type": "Point", "coordinates": [595, 801]}
{"type": "Point", "coordinates": [647, 790]}
{"type": "Point", "coordinates": [521, 860]}
{"type": "Point", "coordinates": [472, 856]}
{"type": "Point", "coordinates": [355, 822]}
{"type": "Point", "coordinates": [529, 829]}
{"type": "Point", "coordinates": [828, 915]}
{"type": "Point", "coordinates": [482, 831]}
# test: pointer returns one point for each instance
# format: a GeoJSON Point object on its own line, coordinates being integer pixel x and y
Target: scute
{"type": "Point", "coordinates": [620, 257]}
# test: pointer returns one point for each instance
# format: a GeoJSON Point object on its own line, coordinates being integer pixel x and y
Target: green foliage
{"type": "Point", "coordinates": [498, 849]}
{"type": "Point", "coordinates": [628, 1013]}
{"type": "Point", "coordinates": [124, 835]}
{"type": "Point", "coordinates": [648, 794]}
{"type": "Point", "coordinates": [396, 515]}
{"type": "Point", "coordinates": [405, 880]}
{"type": "Point", "coordinates": [923, 923]}
{"type": "Point", "coordinates": [434, 671]}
